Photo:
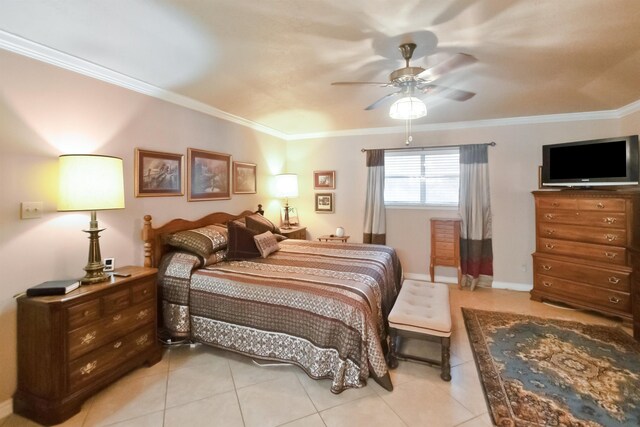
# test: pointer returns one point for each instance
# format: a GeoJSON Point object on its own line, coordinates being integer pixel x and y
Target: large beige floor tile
{"type": "Point", "coordinates": [197, 382]}
{"type": "Point", "coordinates": [308, 421]}
{"type": "Point", "coordinates": [320, 392]}
{"type": "Point", "coordinates": [423, 403]}
{"type": "Point", "coordinates": [274, 402]}
{"type": "Point", "coordinates": [220, 410]}
{"type": "Point", "coordinates": [466, 388]}
{"type": "Point", "coordinates": [154, 419]}
{"type": "Point", "coordinates": [184, 356]}
{"type": "Point", "coordinates": [127, 399]}
{"type": "Point", "coordinates": [14, 420]}
{"type": "Point", "coordinates": [246, 372]}
{"type": "Point", "coordinates": [369, 411]}
{"type": "Point", "coordinates": [480, 421]}
{"type": "Point", "coordinates": [159, 368]}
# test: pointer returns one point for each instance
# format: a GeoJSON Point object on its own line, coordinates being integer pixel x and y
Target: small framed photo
{"type": "Point", "coordinates": [244, 178]}
{"type": "Point", "coordinates": [209, 175]}
{"type": "Point", "coordinates": [324, 179]}
{"type": "Point", "coordinates": [158, 174]}
{"type": "Point", "coordinates": [324, 202]}
{"type": "Point", "coordinates": [293, 216]}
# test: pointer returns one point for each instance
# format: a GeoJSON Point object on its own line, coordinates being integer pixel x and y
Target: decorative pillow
{"type": "Point", "coordinates": [280, 237]}
{"type": "Point", "coordinates": [216, 257]}
{"type": "Point", "coordinates": [266, 243]}
{"type": "Point", "coordinates": [241, 244]}
{"type": "Point", "coordinates": [202, 241]}
{"type": "Point", "coordinates": [260, 224]}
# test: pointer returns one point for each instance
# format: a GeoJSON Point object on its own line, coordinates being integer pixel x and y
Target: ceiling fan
{"type": "Point", "coordinates": [417, 81]}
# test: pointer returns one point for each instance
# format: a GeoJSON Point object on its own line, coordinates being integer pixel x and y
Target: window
{"type": "Point", "coordinates": [430, 177]}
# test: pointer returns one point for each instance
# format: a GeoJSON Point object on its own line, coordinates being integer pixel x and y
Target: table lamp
{"type": "Point", "coordinates": [91, 183]}
{"type": "Point", "coordinates": [286, 188]}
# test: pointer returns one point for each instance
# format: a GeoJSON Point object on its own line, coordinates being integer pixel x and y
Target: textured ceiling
{"type": "Point", "coordinates": [272, 62]}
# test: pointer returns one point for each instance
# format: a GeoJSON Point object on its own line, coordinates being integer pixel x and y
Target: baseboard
{"type": "Point", "coordinates": [6, 408]}
{"type": "Point", "coordinates": [521, 287]}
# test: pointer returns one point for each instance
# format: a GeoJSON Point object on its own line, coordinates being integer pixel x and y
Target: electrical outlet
{"type": "Point", "coordinates": [30, 210]}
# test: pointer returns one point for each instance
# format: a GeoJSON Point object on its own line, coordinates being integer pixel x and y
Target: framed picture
{"type": "Point", "coordinates": [244, 178]}
{"type": "Point", "coordinates": [293, 216]}
{"type": "Point", "coordinates": [158, 174]}
{"type": "Point", "coordinates": [324, 202]}
{"type": "Point", "coordinates": [208, 175]}
{"type": "Point", "coordinates": [324, 179]}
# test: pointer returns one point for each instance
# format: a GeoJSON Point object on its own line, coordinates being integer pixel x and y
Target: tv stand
{"type": "Point", "coordinates": [588, 251]}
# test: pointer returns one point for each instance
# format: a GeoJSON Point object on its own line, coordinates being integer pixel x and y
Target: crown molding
{"type": "Point", "coordinates": [28, 48]}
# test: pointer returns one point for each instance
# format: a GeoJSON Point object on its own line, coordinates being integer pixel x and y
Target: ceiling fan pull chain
{"type": "Point", "coordinates": [407, 129]}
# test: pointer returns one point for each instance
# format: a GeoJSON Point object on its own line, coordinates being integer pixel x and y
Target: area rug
{"type": "Point", "coordinates": [545, 372]}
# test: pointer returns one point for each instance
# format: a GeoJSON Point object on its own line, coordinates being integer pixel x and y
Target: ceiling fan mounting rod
{"type": "Point", "coordinates": [407, 51]}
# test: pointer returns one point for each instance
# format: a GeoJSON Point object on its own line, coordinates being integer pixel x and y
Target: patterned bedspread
{"type": "Point", "coordinates": [322, 306]}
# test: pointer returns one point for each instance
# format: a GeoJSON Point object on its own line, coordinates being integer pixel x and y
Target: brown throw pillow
{"type": "Point", "coordinates": [261, 224]}
{"type": "Point", "coordinates": [202, 241]}
{"type": "Point", "coordinates": [266, 243]}
{"type": "Point", "coordinates": [241, 244]}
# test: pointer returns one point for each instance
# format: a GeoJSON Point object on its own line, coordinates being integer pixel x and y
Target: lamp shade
{"type": "Point", "coordinates": [287, 185]}
{"type": "Point", "coordinates": [408, 108]}
{"type": "Point", "coordinates": [90, 182]}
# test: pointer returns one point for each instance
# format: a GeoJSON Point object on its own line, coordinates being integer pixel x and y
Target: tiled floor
{"type": "Point", "coordinates": [202, 386]}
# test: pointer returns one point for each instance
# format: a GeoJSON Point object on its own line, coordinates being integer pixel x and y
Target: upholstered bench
{"type": "Point", "coordinates": [422, 311]}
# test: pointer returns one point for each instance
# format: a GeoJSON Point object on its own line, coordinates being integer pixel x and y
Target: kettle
{"type": "Point", "coordinates": [339, 232]}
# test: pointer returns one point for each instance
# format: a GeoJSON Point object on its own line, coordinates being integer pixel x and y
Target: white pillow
{"type": "Point", "coordinates": [266, 243]}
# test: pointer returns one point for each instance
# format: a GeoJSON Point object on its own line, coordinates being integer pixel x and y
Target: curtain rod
{"type": "Point", "coordinates": [492, 144]}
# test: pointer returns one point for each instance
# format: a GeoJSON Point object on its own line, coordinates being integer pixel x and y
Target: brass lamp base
{"type": "Point", "coordinates": [94, 267]}
{"type": "Point", "coordinates": [287, 224]}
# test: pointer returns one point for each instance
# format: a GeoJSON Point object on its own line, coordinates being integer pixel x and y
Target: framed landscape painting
{"type": "Point", "coordinates": [208, 175]}
{"type": "Point", "coordinates": [158, 174]}
{"type": "Point", "coordinates": [244, 178]}
{"type": "Point", "coordinates": [324, 179]}
{"type": "Point", "coordinates": [324, 202]}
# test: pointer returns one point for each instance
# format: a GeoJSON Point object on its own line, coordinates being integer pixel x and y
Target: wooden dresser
{"type": "Point", "coordinates": [585, 246]}
{"type": "Point", "coordinates": [70, 346]}
{"type": "Point", "coordinates": [445, 244]}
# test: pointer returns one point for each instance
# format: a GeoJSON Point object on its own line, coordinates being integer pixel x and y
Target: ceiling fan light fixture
{"type": "Point", "coordinates": [408, 108]}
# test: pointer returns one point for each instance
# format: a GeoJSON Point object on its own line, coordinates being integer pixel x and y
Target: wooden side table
{"type": "Point", "coordinates": [295, 233]}
{"type": "Point", "coordinates": [445, 244]}
{"type": "Point", "coordinates": [332, 238]}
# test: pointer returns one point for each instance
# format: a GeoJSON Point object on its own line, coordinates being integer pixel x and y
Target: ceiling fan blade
{"type": "Point", "coordinates": [456, 61]}
{"type": "Point", "coordinates": [360, 83]}
{"type": "Point", "coordinates": [447, 92]}
{"type": "Point", "coordinates": [382, 100]}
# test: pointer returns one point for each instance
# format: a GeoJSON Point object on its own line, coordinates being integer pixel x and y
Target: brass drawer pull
{"type": "Point", "coordinates": [88, 338]}
{"type": "Point", "coordinates": [86, 313]}
{"type": "Point", "coordinates": [555, 204]}
{"type": "Point", "coordinates": [614, 280]}
{"type": "Point", "coordinates": [547, 284]}
{"type": "Point", "coordinates": [118, 344]}
{"type": "Point", "coordinates": [142, 314]}
{"type": "Point", "coordinates": [546, 267]}
{"type": "Point", "coordinates": [117, 317]}
{"type": "Point", "coordinates": [549, 246]}
{"type": "Point", "coordinates": [550, 231]}
{"type": "Point", "coordinates": [145, 292]}
{"type": "Point", "coordinates": [614, 300]}
{"type": "Point", "coordinates": [549, 216]}
{"type": "Point", "coordinates": [610, 255]}
{"type": "Point", "coordinates": [611, 237]}
{"type": "Point", "coordinates": [609, 220]}
{"type": "Point", "coordinates": [600, 205]}
{"type": "Point", "coordinates": [143, 340]}
{"type": "Point", "coordinates": [88, 368]}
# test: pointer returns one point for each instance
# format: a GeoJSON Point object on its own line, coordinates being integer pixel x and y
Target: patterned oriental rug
{"type": "Point", "coordinates": [545, 372]}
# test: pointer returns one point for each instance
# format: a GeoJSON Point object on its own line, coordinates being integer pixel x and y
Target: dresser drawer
{"type": "Point", "coordinates": [82, 314]}
{"type": "Point", "coordinates": [603, 236]}
{"type": "Point", "coordinates": [116, 301]}
{"type": "Point", "coordinates": [605, 254]}
{"type": "Point", "coordinates": [554, 203]}
{"type": "Point", "coordinates": [589, 295]}
{"type": "Point", "coordinates": [602, 204]}
{"type": "Point", "coordinates": [588, 218]}
{"type": "Point", "coordinates": [110, 356]}
{"type": "Point", "coordinates": [601, 277]}
{"type": "Point", "coordinates": [143, 291]}
{"type": "Point", "coordinates": [108, 328]}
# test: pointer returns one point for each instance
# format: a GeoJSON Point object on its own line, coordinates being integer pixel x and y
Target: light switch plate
{"type": "Point", "coordinates": [30, 210]}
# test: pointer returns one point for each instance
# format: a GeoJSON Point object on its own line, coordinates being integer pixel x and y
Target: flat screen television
{"type": "Point", "coordinates": [598, 162]}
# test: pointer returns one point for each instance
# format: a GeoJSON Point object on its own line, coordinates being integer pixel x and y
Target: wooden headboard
{"type": "Point", "coordinates": [153, 238]}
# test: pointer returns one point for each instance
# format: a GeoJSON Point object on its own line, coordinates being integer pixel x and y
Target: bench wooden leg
{"type": "Point", "coordinates": [445, 373]}
{"type": "Point", "coordinates": [392, 359]}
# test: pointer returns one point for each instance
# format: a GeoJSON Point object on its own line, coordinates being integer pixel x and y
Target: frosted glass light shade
{"type": "Point", "coordinates": [287, 185]}
{"type": "Point", "coordinates": [408, 108]}
{"type": "Point", "coordinates": [90, 182]}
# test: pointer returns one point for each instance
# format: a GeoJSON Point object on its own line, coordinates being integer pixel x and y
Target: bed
{"type": "Point", "coordinates": [321, 306]}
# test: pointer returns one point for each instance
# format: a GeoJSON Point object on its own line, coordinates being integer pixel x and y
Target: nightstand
{"type": "Point", "coordinates": [70, 346]}
{"type": "Point", "coordinates": [295, 232]}
{"type": "Point", "coordinates": [332, 238]}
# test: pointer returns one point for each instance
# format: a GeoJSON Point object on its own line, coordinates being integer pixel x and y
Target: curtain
{"type": "Point", "coordinates": [374, 213]}
{"type": "Point", "coordinates": [476, 252]}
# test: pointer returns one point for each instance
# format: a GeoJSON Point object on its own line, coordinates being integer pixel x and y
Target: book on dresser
{"type": "Point", "coordinates": [53, 287]}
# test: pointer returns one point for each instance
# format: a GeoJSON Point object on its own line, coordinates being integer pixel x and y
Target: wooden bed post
{"type": "Point", "coordinates": [146, 237]}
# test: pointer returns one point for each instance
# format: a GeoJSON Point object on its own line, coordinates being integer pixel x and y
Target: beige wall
{"type": "Point", "coordinates": [46, 111]}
